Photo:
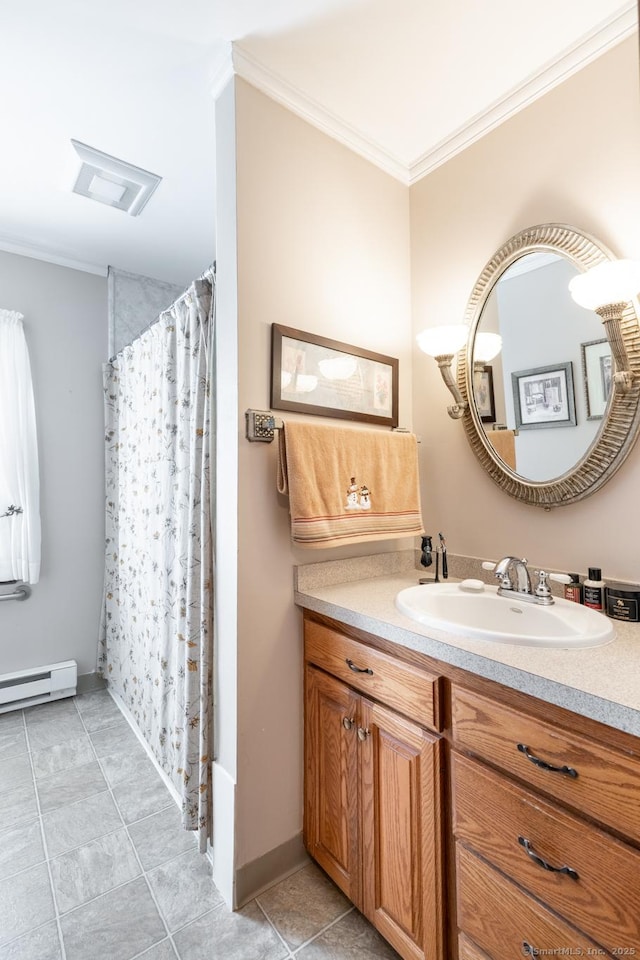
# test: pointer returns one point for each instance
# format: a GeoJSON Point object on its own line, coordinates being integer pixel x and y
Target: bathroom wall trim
{"type": "Point", "coordinates": [608, 34]}
{"type": "Point", "coordinates": [255, 877]}
{"type": "Point", "coordinates": [25, 249]}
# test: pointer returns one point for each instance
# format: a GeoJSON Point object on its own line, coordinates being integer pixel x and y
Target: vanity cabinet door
{"type": "Point", "coordinates": [331, 819]}
{"type": "Point", "coordinates": [373, 817]}
{"type": "Point", "coordinates": [401, 831]}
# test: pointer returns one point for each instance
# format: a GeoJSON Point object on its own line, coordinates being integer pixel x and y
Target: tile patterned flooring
{"type": "Point", "coordinates": [94, 861]}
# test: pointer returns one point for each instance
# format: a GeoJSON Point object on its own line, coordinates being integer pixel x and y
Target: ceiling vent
{"type": "Point", "coordinates": [115, 182]}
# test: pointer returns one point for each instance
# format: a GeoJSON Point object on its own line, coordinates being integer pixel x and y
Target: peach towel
{"type": "Point", "coordinates": [347, 485]}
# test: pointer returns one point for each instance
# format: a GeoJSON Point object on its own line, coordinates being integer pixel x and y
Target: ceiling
{"type": "Point", "coordinates": [406, 84]}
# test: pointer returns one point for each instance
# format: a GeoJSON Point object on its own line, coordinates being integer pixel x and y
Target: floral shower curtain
{"type": "Point", "coordinates": [156, 631]}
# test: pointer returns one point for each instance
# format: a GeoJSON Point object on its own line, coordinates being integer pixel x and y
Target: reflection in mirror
{"type": "Point", "coordinates": [552, 372]}
{"type": "Point", "coordinates": [574, 414]}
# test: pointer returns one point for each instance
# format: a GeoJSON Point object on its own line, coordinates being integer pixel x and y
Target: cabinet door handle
{"type": "Point", "coordinates": [568, 771]}
{"type": "Point", "coordinates": [363, 733]}
{"type": "Point", "coordinates": [356, 669]}
{"type": "Point", "coordinates": [569, 871]}
{"type": "Point", "coordinates": [348, 722]}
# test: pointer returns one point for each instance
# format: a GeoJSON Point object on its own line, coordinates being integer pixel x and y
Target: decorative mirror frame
{"type": "Point", "coordinates": [619, 429]}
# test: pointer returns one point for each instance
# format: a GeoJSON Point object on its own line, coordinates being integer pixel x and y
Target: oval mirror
{"type": "Point", "coordinates": [545, 416]}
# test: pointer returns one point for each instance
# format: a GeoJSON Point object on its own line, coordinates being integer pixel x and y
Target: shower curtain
{"type": "Point", "coordinates": [19, 474]}
{"type": "Point", "coordinates": [156, 631]}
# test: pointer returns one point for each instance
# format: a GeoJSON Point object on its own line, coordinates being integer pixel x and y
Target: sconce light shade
{"type": "Point", "coordinates": [616, 281]}
{"type": "Point", "coordinates": [443, 341]}
{"type": "Point", "coordinates": [486, 346]}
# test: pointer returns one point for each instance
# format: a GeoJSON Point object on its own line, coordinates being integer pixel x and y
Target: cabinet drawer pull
{"type": "Point", "coordinates": [348, 722]}
{"type": "Point", "coordinates": [355, 669]}
{"type": "Point", "coordinates": [569, 771]}
{"type": "Point", "coordinates": [362, 734]}
{"type": "Point", "coordinates": [569, 871]}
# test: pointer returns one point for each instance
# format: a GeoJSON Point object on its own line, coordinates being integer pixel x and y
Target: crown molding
{"type": "Point", "coordinates": [603, 38]}
{"type": "Point", "coordinates": [22, 249]}
{"type": "Point", "coordinates": [223, 72]}
{"type": "Point", "coordinates": [612, 32]}
{"type": "Point", "coordinates": [291, 97]}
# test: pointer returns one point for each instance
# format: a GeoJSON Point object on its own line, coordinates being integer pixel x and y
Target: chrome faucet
{"type": "Point", "coordinates": [515, 581]}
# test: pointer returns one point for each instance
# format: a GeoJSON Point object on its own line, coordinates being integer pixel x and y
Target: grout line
{"type": "Point", "coordinates": [292, 953]}
{"type": "Point", "coordinates": [133, 847]}
{"type": "Point", "coordinates": [273, 927]}
{"type": "Point", "coordinates": [328, 926]}
{"type": "Point", "coordinates": [45, 848]}
{"type": "Point", "coordinates": [145, 953]}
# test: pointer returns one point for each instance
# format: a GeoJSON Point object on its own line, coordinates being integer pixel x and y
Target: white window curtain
{"type": "Point", "coordinates": [19, 475]}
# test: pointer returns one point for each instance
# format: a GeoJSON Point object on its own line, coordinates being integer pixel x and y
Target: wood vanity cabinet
{"type": "Point", "coordinates": [466, 820]}
{"type": "Point", "coordinates": [373, 786]}
{"type": "Point", "coordinates": [545, 820]}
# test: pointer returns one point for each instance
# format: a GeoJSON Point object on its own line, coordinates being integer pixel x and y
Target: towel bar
{"type": "Point", "coordinates": [261, 425]}
{"type": "Point", "coordinates": [20, 593]}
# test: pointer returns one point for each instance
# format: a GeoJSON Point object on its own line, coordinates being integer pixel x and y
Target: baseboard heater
{"type": "Point", "coordinates": [28, 687]}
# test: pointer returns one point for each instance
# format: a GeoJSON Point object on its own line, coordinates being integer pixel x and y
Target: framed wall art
{"type": "Point", "coordinates": [483, 393]}
{"type": "Point", "coordinates": [597, 369]}
{"type": "Point", "coordinates": [543, 397]}
{"type": "Point", "coordinates": [312, 374]}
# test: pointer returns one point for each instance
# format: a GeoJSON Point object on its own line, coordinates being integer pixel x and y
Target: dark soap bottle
{"type": "Point", "coordinates": [573, 590]}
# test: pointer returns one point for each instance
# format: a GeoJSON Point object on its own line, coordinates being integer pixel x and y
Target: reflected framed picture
{"type": "Point", "coordinates": [597, 370]}
{"type": "Point", "coordinates": [312, 374]}
{"type": "Point", "coordinates": [543, 397]}
{"type": "Point", "coordinates": [483, 393]}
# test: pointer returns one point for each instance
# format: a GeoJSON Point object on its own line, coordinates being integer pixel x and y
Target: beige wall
{"type": "Point", "coordinates": [572, 157]}
{"type": "Point", "coordinates": [323, 246]}
{"type": "Point", "coordinates": [328, 243]}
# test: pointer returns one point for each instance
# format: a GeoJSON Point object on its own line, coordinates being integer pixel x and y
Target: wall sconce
{"type": "Point", "coordinates": [442, 343]}
{"type": "Point", "coordinates": [486, 346]}
{"type": "Point", "coordinates": [607, 289]}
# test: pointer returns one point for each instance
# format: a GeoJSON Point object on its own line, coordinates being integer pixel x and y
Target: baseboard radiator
{"type": "Point", "coordinates": [28, 687]}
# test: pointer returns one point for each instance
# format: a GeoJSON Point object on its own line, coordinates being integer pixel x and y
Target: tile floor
{"type": "Point", "coordinates": [94, 862]}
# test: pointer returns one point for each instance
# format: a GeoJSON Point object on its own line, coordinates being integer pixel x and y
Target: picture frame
{"type": "Point", "coordinates": [543, 397]}
{"type": "Point", "coordinates": [324, 377]}
{"type": "Point", "coordinates": [597, 371]}
{"type": "Point", "coordinates": [483, 393]}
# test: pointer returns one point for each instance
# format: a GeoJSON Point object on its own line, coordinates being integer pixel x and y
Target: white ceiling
{"type": "Point", "coordinates": [405, 83]}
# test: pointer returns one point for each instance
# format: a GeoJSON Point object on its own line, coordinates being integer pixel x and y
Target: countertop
{"type": "Point", "coordinates": [602, 683]}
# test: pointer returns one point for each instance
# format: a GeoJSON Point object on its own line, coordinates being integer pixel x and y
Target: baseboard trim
{"type": "Point", "coordinates": [260, 874]}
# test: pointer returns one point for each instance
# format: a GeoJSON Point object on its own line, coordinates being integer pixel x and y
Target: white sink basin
{"type": "Point", "coordinates": [482, 614]}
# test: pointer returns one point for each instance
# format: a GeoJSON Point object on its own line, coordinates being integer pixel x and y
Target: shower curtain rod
{"type": "Point", "coordinates": [208, 274]}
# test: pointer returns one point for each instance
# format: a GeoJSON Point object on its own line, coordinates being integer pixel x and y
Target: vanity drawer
{"type": "Point", "coordinates": [605, 784]}
{"type": "Point", "coordinates": [467, 950]}
{"type": "Point", "coordinates": [406, 688]}
{"type": "Point", "coordinates": [500, 820]}
{"type": "Point", "coordinates": [504, 922]}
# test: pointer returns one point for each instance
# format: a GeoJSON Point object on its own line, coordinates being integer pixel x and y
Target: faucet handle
{"type": "Point", "coordinates": [488, 565]}
{"type": "Point", "coordinates": [542, 589]}
{"type": "Point", "coordinates": [560, 577]}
